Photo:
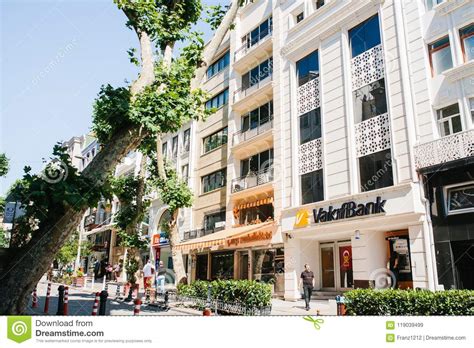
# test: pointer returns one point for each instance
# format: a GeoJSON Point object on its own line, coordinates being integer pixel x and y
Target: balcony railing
{"type": "Point", "coordinates": [201, 232]}
{"type": "Point", "coordinates": [242, 136]}
{"type": "Point", "coordinates": [252, 179]}
{"type": "Point", "coordinates": [242, 93]}
{"type": "Point", "coordinates": [446, 149]}
{"type": "Point", "coordinates": [251, 44]}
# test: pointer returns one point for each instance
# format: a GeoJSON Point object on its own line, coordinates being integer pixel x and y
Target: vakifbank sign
{"type": "Point", "coordinates": [19, 328]}
{"type": "Point", "coordinates": [347, 210]}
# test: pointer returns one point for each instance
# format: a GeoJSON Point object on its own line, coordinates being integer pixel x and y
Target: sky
{"type": "Point", "coordinates": [55, 55]}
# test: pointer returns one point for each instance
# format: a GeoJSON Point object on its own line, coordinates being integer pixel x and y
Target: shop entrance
{"type": "Point", "coordinates": [336, 266]}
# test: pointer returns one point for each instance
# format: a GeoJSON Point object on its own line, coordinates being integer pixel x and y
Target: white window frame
{"type": "Point", "coordinates": [446, 196]}
{"type": "Point", "coordinates": [441, 120]}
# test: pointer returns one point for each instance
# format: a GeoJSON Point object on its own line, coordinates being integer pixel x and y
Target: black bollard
{"type": "Point", "coordinates": [60, 300]}
{"type": "Point", "coordinates": [166, 298]}
{"type": "Point", "coordinates": [103, 301]}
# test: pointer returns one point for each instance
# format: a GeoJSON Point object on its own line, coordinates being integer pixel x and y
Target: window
{"type": "Point", "coordinates": [471, 107]}
{"type": "Point", "coordinates": [310, 126]}
{"type": "Point", "coordinates": [214, 181]}
{"type": "Point", "coordinates": [256, 215]}
{"type": "Point", "coordinates": [210, 220]}
{"type": "Point", "coordinates": [222, 265]}
{"type": "Point", "coordinates": [460, 199]}
{"type": "Point", "coordinates": [258, 33]}
{"type": "Point", "coordinates": [376, 170]}
{"type": "Point", "coordinates": [215, 140]}
{"type": "Point", "coordinates": [174, 146]}
{"type": "Point", "coordinates": [319, 3]}
{"type": "Point", "coordinates": [185, 173]}
{"type": "Point", "coordinates": [307, 68]}
{"type": "Point", "coordinates": [259, 162]}
{"type": "Point", "coordinates": [299, 17]}
{"type": "Point", "coordinates": [164, 149]}
{"type": "Point", "coordinates": [218, 100]}
{"type": "Point", "coordinates": [449, 120]}
{"type": "Point", "coordinates": [218, 65]}
{"type": "Point", "coordinates": [467, 42]}
{"type": "Point", "coordinates": [432, 3]}
{"type": "Point", "coordinates": [312, 187]}
{"type": "Point", "coordinates": [186, 139]}
{"type": "Point", "coordinates": [257, 74]}
{"type": "Point", "coordinates": [364, 36]}
{"type": "Point", "coordinates": [440, 56]}
{"type": "Point", "coordinates": [257, 117]}
{"type": "Point", "coordinates": [369, 101]}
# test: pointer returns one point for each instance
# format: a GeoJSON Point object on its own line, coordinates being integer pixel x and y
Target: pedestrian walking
{"type": "Point", "coordinates": [160, 277]}
{"type": "Point", "coordinates": [148, 272]}
{"type": "Point", "coordinates": [307, 283]}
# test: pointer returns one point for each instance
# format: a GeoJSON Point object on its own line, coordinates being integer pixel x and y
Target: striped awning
{"type": "Point", "coordinates": [256, 203]}
{"type": "Point", "coordinates": [227, 237]}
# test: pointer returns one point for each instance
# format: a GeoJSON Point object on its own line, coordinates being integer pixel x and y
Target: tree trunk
{"type": "Point", "coordinates": [27, 265]}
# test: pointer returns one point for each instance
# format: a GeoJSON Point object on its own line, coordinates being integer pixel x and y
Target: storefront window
{"type": "Point", "coordinates": [201, 267]}
{"type": "Point", "coordinates": [440, 56]}
{"type": "Point", "coordinates": [222, 265]}
{"type": "Point", "coordinates": [461, 199]}
{"type": "Point", "coordinates": [255, 215]}
{"type": "Point", "coordinates": [268, 265]}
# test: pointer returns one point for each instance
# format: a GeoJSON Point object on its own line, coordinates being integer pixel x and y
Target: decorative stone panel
{"type": "Point", "coordinates": [308, 96]}
{"type": "Point", "coordinates": [367, 67]}
{"type": "Point", "coordinates": [446, 149]}
{"type": "Point", "coordinates": [310, 156]}
{"type": "Point", "coordinates": [372, 135]}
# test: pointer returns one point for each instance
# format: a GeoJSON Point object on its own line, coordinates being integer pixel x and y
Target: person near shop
{"type": "Point", "coordinates": [307, 283]}
{"type": "Point", "coordinates": [108, 271]}
{"type": "Point", "coordinates": [116, 272]}
{"type": "Point", "coordinates": [395, 268]}
{"type": "Point", "coordinates": [160, 277]}
{"type": "Point", "coordinates": [148, 271]}
{"type": "Point", "coordinates": [96, 268]}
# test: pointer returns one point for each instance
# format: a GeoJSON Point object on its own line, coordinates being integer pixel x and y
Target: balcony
{"type": "Point", "coordinates": [253, 96]}
{"type": "Point", "coordinates": [251, 180]}
{"type": "Point", "coordinates": [447, 149]}
{"type": "Point", "coordinates": [255, 50]}
{"type": "Point", "coordinates": [201, 232]}
{"type": "Point", "coordinates": [253, 140]}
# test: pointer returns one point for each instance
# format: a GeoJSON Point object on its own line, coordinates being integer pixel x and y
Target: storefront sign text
{"type": "Point", "coordinates": [349, 210]}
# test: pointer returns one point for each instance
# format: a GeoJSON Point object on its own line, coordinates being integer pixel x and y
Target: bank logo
{"type": "Point", "coordinates": [302, 218]}
{"type": "Point", "coordinates": [19, 329]}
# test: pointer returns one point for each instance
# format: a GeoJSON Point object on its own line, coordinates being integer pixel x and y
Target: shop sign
{"type": "Point", "coordinates": [155, 239]}
{"type": "Point", "coordinates": [249, 238]}
{"type": "Point", "coordinates": [349, 210]}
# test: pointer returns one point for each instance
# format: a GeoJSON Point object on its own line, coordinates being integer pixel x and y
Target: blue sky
{"type": "Point", "coordinates": [55, 55]}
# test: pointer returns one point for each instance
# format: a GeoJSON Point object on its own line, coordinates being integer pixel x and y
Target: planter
{"type": "Point", "coordinates": [78, 281]}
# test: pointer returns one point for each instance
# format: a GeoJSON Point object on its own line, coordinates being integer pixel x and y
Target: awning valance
{"type": "Point", "coordinates": [231, 237]}
{"type": "Point", "coordinates": [256, 203]}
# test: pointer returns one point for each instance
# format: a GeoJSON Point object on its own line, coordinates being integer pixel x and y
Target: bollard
{"type": "Point", "coordinates": [60, 300]}
{"type": "Point", "coordinates": [207, 312]}
{"type": "Point", "coordinates": [103, 283]}
{"type": "Point", "coordinates": [166, 298]}
{"type": "Point", "coordinates": [46, 301]}
{"type": "Point", "coordinates": [66, 300]}
{"type": "Point", "coordinates": [341, 306]}
{"type": "Point", "coordinates": [136, 309]}
{"type": "Point", "coordinates": [96, 303]}
{"type": "Point", "coordinates": [103, 302]}
{"type": "Point", "coordinates": [117, 291]}
{"type": "Point", "coordinates": [34, 302]}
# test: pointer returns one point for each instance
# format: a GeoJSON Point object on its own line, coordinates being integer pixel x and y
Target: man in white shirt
{"type": "Point", "coordinates": [148, 271]}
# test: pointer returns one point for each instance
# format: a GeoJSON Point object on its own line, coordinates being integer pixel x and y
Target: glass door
{"type": "Point", "coordinates": [328, 281]}
{"type": "Point", "coordinates": [244, 265]}
{"type": "Point", "coordinates": [345, 278]}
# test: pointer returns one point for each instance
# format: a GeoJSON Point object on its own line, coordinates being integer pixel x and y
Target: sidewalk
{"type": "Point", "coordinates": [81, 301]}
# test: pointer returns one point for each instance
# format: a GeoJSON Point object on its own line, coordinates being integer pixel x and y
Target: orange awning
{"type": "Point", "coordinates": [227, 236]}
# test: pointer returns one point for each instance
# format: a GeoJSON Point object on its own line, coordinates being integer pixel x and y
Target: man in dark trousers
{"type": "Point", "coordinates": [307, 281]}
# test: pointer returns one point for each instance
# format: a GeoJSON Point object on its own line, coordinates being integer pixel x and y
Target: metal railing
{"type": "Point", "coordinates": [248, 134]}
{"type": "Point", "coordinates": [252, 179]}
{"type": "Point", "coordinates": [242, 93]}
{"type": "Point", "coordinates": [201, 232]}
{"type": "Point", "coordinates": [250, 44]}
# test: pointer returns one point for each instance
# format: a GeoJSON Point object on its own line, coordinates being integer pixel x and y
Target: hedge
{"type": "Point", "coordinates": [409, 302]}
{"type": "Point", "coordinates": [249, 293]}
